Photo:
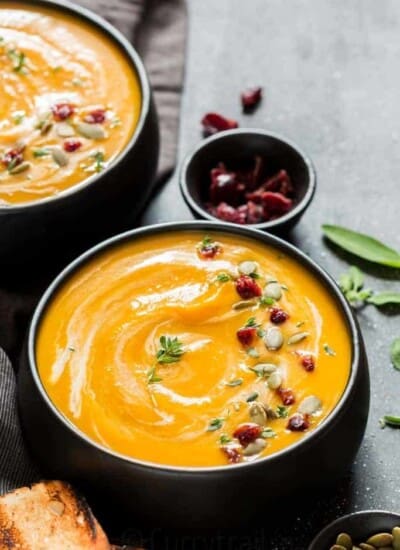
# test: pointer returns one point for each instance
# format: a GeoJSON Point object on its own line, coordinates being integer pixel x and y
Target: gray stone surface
{"type": "Point", "coordinates": [330, 72]}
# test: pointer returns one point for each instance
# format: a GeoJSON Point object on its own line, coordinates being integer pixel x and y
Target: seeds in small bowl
{"type": "Point", "coordinates": [383, 540]}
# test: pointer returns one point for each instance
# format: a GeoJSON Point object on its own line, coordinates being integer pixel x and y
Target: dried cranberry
{"type": "Point", "coordinates": [247, 433]}
{"type": "Point", "coordinates": [225, 187]}
{"type": "Point", "coordinates": [209, 251]}
{"type": "Point", "coordinates": [13, 157]}
{"type": "Point", "coordinates": [308, 362]}
{"type": "Point", "coordinates": [97, 116]}
{"type": "Point", "coordinates": [254, 213]}
{"type": "Point", "coordinates": [278, 316]}
{"type": "Point", "coordinates": [275, 204]}
{"type": "Point", "coordinates": [251, 98]}
{"type": "Point", "coordinates": [279, 183]}
{"type": "Point", "coordinates": [298, 423]}
{"type": "Point", "coordinates": [71, 145]}
{"type": "Point", "coordinates": [214, 122]}
{"type": "Point", "coordinates": [233, 455]}
{"type": "Point", "coordinates": [247, 288]}
{"type": "Point", "coordinates": [287, 396]}
{"type": "Point", "coordinates": [62, 111]}
{"type": "Point", "coordinates": [228, 213]}
{"type": "Point", "coordinates": [246, 335]}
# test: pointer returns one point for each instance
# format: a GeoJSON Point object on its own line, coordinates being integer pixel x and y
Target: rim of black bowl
{"type": "Point", "coordinates": [133, 57]}
{"type": "Point", "coordinates": [297, 210]}
{"type": "Point", "coordinates": [338, 525]}
{"type": "Point", "coordinates": [199, 225]}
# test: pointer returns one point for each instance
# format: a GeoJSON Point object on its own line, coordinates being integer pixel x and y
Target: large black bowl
{"type": "Point", "coordinates": [195, 497]}
{"type": "Point", "coordinates": [103, 204]}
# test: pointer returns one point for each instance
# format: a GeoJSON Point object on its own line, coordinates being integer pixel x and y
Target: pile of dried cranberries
{"type": "Point", "coordinates": [249, 194]}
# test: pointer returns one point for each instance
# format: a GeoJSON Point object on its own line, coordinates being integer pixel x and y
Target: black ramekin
{"type": "Point", "coordinates": [103, 204]}
{"type": "Point", "coordinates": [195, 497]}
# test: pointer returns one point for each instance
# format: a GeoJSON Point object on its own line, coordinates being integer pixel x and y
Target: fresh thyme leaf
{"type": "Point", "coordinates": [18, 117]}
{"type": "Point", "coordinates": [255, 275]}
{"type": "Point", "coordinates": [223, 277]}
{"type": "Point", "coordinates": [98, 161]}
{"type": "Point", "coordinates": [395, 353]}
{"type": "Point", "coordinates": [300, 324]}
{"type": "Point", "coordinates": [329, 351]}
{"type": "Point", "coordinates": [266, 301]}
{"type": "Point", "coordinates": [234, 383]}
{"type": "Point", "coordinates": [252, 397]}
{"type": "Point", "coordinates": [251, 323]}
{"type": "Point", "coordinates": [224, 439]}
{"type": "Point", "coordinates": [362, 245]}
{"type": "Point", "coordinates": [389, 420]}
{"type": "Point", "coordinates": [252, 352]}
{"type": "Point", "coordinates": [282, 411]}
{"type": "Point", "coordinates": [42, 152]}
{"type": "Point", "coordinates": [152, 377]}
{"type": "Point", "coordinates": [170, 350]}
{"type": "Point", "coordinates": [267, 433]}
{"type": "Point", "coordinates": [115, 122]}
{"type": "Point", "coordinates": [18, 60]}
{"type": "Point", "coordinates": [12, 164]}
{"type": "Point", "coordinates": [215, 424]}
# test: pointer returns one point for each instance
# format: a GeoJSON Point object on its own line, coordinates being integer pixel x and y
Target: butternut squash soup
{"type": "Point", "coordinates": [193, 350]}
{"type": "Point", "coordinates": [70, 102]}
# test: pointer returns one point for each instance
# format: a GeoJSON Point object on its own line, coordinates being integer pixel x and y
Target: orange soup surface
{"type": "Point", "coordinates": [187, 351]}
{"type": "Point", "coordinates": [70, 102]}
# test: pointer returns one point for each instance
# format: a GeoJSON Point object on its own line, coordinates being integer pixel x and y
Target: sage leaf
{"type": "Point", "coordinates": [395, 353]}
{"type": "Point", "coordinates": [390, 420]}
{"type": "Point", "coordinates": [384, 298]}
{"type": "Point", "coordinates": [362, 245]}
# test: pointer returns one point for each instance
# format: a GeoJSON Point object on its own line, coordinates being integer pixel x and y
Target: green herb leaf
{"type": "Point", "coordinates": [261, 332]}
{"type": "Point", "coordinates": [253, 353]}
{"type": "Point", "coordinates": [252, 397]}
{"type": "Point", "coordinates": [215, 424]}
{"type": "Point", "coordinates": [234, 383]}
{"type": "Point", "coordinates": [329, 351]}
{"type": "Point", "coordinates": [300, 324]}
{"type": "Point", "coordinates": [251, 323]}
{"type": "Point", "coordinates": [18, 60]}
{"type": "Point", "coordinates": [224, 439]}
{"type": "Point", "coordinates": [362, 245]}
{"type": "Point", "coordinates": [170, 350]}
{"type": "Point", "coordinates": [98, 161]}
{"type": "Point", "coordinates": [223, 277]}
{"type": "Point", "coordinates": [42, 152]}
{"type": "Point", "coordinates": [71, 349]}
{"type": "Point", "coordinates": [255, 275]}
{"type": "Point", "coordinates": [12, 164]}
{"type": "Point", "coordinates": [267, 433]}
{"type": "Point", "coordinates": [152, 376]}
{"type": "Point", "coordinates": [395, 353]}
{"type": "Point", "coordinates": [266, 301]}
{"type": "Point", "coordinates": [282, 411]}
{"type": "Point", "coordinates": [351, 284]}
{"type": "Point", "coordinates": [389, 420]}
{"type": "Point", "coordinates": [18, 117]}
{"type": "Point", "coordinates": [384, 298]}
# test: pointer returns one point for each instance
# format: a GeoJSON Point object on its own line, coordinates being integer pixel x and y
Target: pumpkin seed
{"type": "Point", "coordinates": [64, 130]}
{"type": "Point", "coordinates": [91, 131]}
{"type": "Point", "coordinates": [365, 546]}
{"type": "Point", "coordinates": [263, 369]}
{"type": "Point", "coordinates": [271, 413]}
{"type": "Point", "coordinates": [273, 290]}
{"type": "Point", "coordinates": [59, 156]}
{"type": "Point", "coordinates": [23, 167]}
{"type": "Point", "coordinates": [311, 405]}
{"type": "Point", "coordinates": [257, 414]}
{"type": "Point", "coordinates": [396, 538]}
{"type": "Point", "coordinates": [247, 267]}
{"type": "Point", "coordinates": [343, 538]}
{"type": "Point", "coordinates": [254, 448]}
{"type": "Point", "coordinates": [297, 337]}
{"type": "Point", "coordinates": [244, 304]}
{"type": "Point", "coordinates": [274, 381]}
{"type": "Point", "coordinates": [338, 547]}
{"type": "Point", "coordinates": [273, 338]}
{"type": "Point", "coordinates": [380, 540]}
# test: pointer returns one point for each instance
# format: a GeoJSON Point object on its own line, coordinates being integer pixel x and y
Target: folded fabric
{"type": "Point", "coordinates": [158, 30]}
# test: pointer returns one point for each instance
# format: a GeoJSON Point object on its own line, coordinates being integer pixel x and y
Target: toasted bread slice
{"type": "Point", "coordinates": [48, 516]}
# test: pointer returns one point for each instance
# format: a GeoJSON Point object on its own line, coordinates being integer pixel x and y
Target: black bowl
{"type": "Point", "coordinates": [195, 497]}
{"type": "Point", "coordinates": [359, 526]}
{"type": "Point", "coordinates": [103, 204]}
{"type": "Point", "coordinates": [240, 146]}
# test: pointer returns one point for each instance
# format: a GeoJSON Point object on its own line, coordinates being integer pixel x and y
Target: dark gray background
{"type": "Point", "coordinates": [330, 72]}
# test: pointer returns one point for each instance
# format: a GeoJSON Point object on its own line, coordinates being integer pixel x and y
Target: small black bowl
{"type": "Point", "coordinates": [359, 525]}
{"type": "Point", "coordinates": [237, 147]}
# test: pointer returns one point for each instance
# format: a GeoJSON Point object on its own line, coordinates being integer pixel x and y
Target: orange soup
{"type": "Point", "coordinates": [184, 350]}
{"type": "Point", "coordinates": [70, 102]}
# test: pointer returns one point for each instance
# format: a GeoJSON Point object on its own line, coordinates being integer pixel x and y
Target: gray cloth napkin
{"type": "Point", "coordinates": [157, 28]}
